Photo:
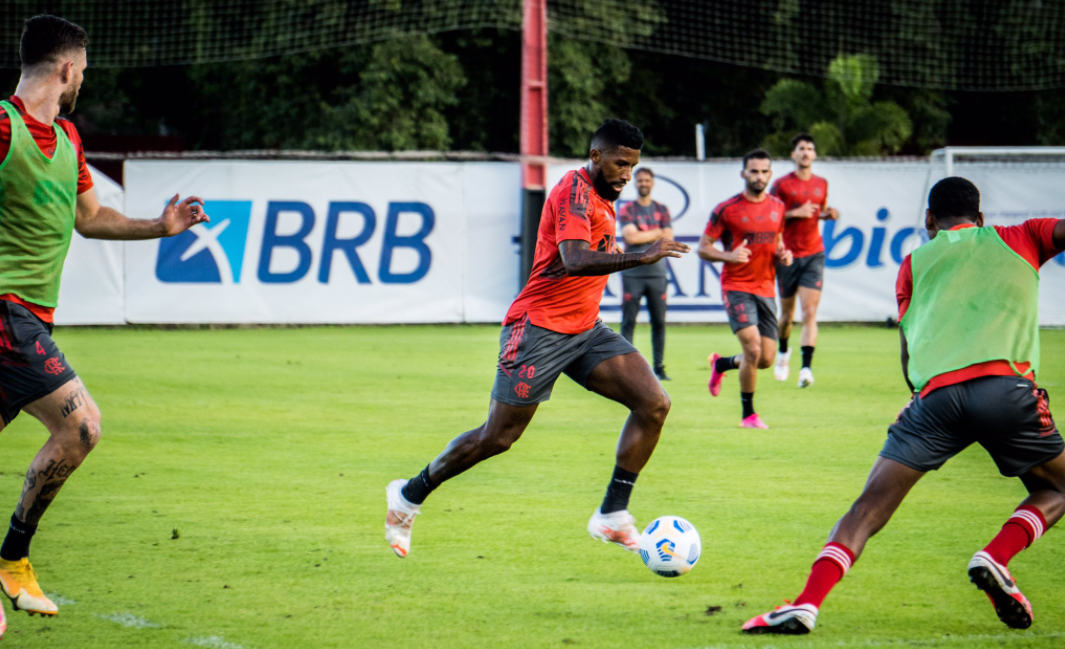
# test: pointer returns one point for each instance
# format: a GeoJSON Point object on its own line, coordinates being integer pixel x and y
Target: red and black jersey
{"type": "Point", "coordinates": [802, 236]}
{"type": "Point", "coordinates": [739, 220]}
{"type": "Point", "coordinates": [552, 299]}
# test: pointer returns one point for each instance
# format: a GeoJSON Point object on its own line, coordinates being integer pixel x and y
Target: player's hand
{"type": "Point", "coordinates": [740, 255]}
{"type": "Point", "coordinates": [830, 214]}
{"type": "Point", "coordinates": [178, 217]}
{"type": "Point", "coordinates": [664, 248]}
{"type": "Point", "coordinates": [785, 256]}
{"type": "Point", "coordinates": [805, 211]}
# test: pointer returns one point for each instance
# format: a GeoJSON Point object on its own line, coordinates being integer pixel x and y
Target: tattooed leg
{"type": "Point", "coordinates": [73, 421]}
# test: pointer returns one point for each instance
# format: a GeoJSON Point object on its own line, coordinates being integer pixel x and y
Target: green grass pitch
{"type": "Point", "coordinates": [268, 451]}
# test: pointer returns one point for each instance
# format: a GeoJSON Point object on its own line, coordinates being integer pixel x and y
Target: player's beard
{"type": "Point", "coordinates": [755, 189]}
{"type": "Point", "coordinates": [603, 188]}
{"type": "Point", "coordinates": [68, 100]}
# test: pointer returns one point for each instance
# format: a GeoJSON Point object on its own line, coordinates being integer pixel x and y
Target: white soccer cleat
{"type": "Point", "coordinates": [806, 377]}
{"type": "Point", "coordinates": [618, 528]}
{"type": "Point", "coordinates": [781, 369]}
{"type": "Point", "coordinates": [791, 620]}
{"type": "Point", "coordinates": [1010, 603]}
{"type": "Point", "coordinates": [400, 518]}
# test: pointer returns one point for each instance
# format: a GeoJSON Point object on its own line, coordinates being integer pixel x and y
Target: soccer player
{"type": "Point", "coordinates": [805, 199]}
{"type": "Point", "coordinates": [644, 221]}
{"type": "Point", "coordinates": [46, 191]}
{"type": "Point", "coordinates": [553, 327]}
{"type": "Point", "coordinates": [749, 226]}
{"type": "Point", "coordinates": [970, 355]}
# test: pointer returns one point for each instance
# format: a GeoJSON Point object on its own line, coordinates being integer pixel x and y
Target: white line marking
{"type": "Point", "coordinates": [214, 642]}
{"type": "Point", "coordinates": [60, 600]}
{"type": "Point", "coordinates": [130, 620]}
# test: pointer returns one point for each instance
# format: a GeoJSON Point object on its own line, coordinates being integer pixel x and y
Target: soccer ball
{"type": "Point", "coordinates": [670, 546]}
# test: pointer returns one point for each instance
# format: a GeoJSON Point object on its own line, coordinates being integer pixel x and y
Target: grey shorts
{"type": "Point", "coordinates": [1006, 415]}
{"type": "Point", "coordinates": [803, 271]}
{"type": "Point", "coordinates": [531, 359]}
{"type": "Point", "coordinates": [750, 310]}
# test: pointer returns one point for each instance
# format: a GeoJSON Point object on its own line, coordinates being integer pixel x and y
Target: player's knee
{"type": "Point", "coordinates": [809, 314]}
{"type": "Point", "coordinates": [657, 408]}
{"type": "Point", "coordinates": [765, 362]}
{"type": "Point", "coordinates": [88, 432]}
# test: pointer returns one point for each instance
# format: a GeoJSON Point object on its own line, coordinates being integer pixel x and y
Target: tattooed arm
{"type": "Point", "coordinates": [580, 259]}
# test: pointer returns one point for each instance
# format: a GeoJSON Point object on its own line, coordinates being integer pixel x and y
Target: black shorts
{"type": "Point", "coordinates": [748, 309]}
{"type": "Point", "coordinates": [808, 272]}
{"type": "Point", "coordinates": [531, 359]}
{"type": "Point", "coordinates": [31, 366]}
{"type": "Point", "coordinates": [1006, 415]}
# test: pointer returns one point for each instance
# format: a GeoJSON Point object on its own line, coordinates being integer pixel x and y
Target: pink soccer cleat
{"type": "Point", "coordinates": [715, 376]}
{"type": "Point", "coordinates": [754, 421]}
{"type": "Point", "coordinates": [790, 619]}
{"type": "Point", "coordinates": [1010, 603]}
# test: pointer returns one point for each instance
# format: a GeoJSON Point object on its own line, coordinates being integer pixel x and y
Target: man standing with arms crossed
{"type": "Point", "coordinates": [749, 225]}
{"type": "Point", "coordinates": [805, 198]}
{"type": "Point", "coordinates": [970, 356]}
{"type": "Point", "coordinates": [552, 328]}
{"type": "Point", "coordinates": [644, 221]}
{"type": "Point", "coordinates": [46, 192]}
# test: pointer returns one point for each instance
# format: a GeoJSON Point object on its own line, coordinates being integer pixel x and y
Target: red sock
{"type": "Point", "coordinates": [1020, 531]}
{"type": "Point", "coordinates": [829, 567]}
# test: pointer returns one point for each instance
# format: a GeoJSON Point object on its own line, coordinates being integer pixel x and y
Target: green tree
{"type": "Point", "coordinates": [842, 115]}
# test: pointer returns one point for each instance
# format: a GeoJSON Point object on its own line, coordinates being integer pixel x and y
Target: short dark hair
{"type": "Point", "coordinates": [954, 197]}
{"type": "Point", "coordinates": [45, 38]}
{"type": "Point", "coordinates": [617, 132]}
{"type": "Point", "coordinates": [802, 137]}
{"type": "Point", "coordinates": [756, 154]}
{"type": "Point", "coordinates": [645, 170]}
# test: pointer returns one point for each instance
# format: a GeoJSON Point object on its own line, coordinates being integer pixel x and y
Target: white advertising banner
{"type": "Point", "coordinates": [879, 204]}
{"type": "Point", "coordinates": [324, 242]}
{"type": "Point", "coordinates": [394, 242]}
{"type": "Point", "coordinates": [91, 292]}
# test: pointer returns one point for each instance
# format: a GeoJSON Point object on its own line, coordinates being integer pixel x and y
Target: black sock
{"type": "Point", "coordinates": [419, 487]}
{"type": "Point", "coordinates": [619, 490]}
{"type": "Point", "coordinates": [783, 345]}
{"type": "Point", "coordinates": [747, 399]}
{"type": "Point", "coordinates": [17, 542]}
{"type": "Point", "coordinates": [726, 363]}
{"type": "Point", "coordinates": [807, 355]}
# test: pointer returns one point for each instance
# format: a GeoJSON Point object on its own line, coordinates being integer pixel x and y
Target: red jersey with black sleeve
{"type": "Point", "coordinates": [552, 299]}
{"type": "Point", "coordinates": [802, 236]}
{"type": "Point", "coordinates": [45, 137]}
{"type": "Point", "coordinates": [1033, 240]}
{"type": "Point", "coordinates": [739, 220]}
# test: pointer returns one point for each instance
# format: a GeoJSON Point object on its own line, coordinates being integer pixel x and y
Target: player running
{"type": "Point", "coordinates": [749, 226]}
{"type": "Point", "coordinates": [970, 352]}
{"type": "Point", "coordinates": [553, 327]}
{"type": "Point", "coordinates": [805, 198]}
{"type": "Point", "coordinates": [46, 191]}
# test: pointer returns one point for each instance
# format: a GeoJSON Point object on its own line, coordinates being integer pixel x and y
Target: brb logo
{"type": "Point", "coordinates": [214, 253]}
{"type": "Point", "coordinates": [208, 252]}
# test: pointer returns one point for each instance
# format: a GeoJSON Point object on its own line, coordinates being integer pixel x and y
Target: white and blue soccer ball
{"type": "Point", "coordinates": [670, 546]}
